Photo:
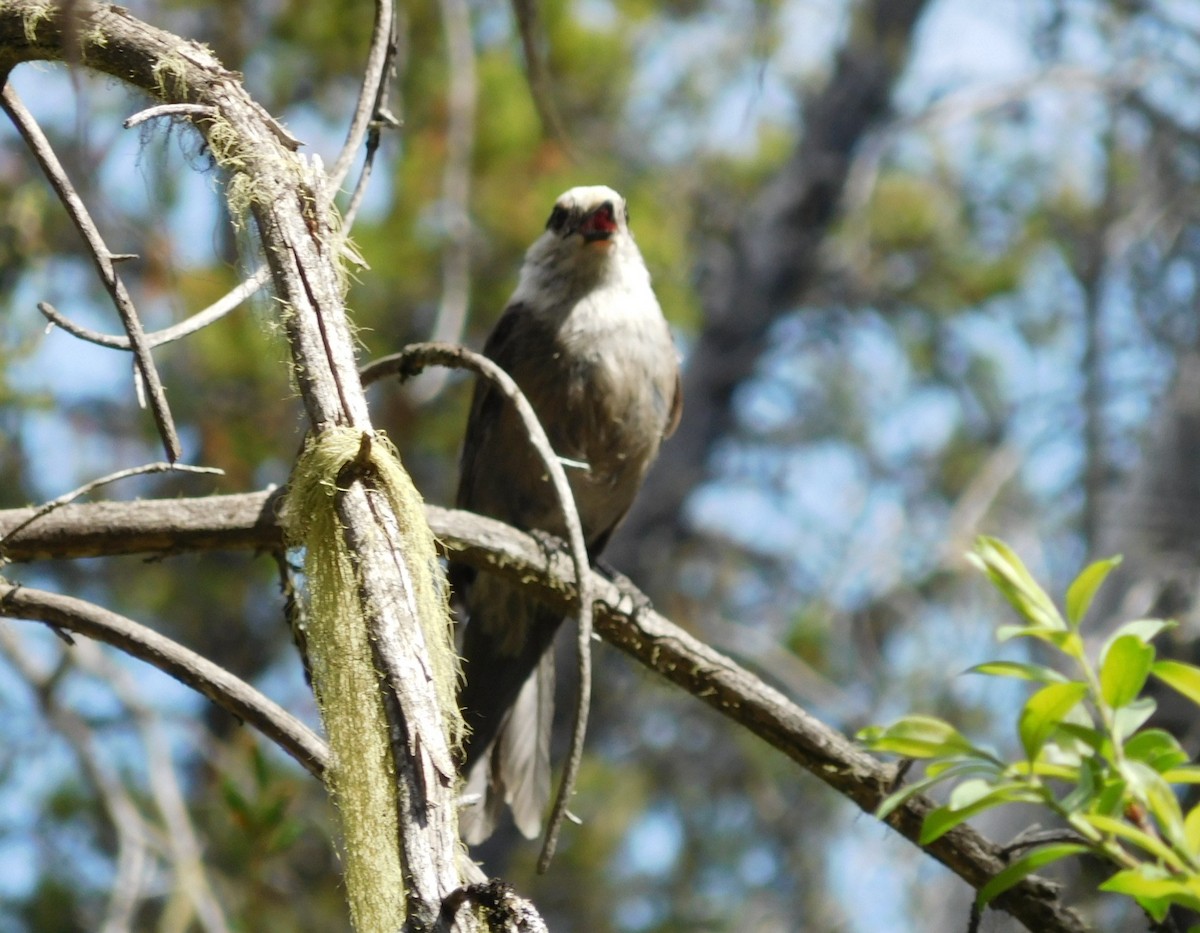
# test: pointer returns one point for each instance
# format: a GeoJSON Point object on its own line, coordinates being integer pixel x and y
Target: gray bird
{"type": "Point", "coordinates": [585, 339]}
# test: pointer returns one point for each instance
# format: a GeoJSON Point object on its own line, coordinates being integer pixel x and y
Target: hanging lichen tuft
{"type": "Point", "coordinates": [361, 778]}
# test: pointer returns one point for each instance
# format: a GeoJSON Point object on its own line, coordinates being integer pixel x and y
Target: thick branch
{"type": "Point", "coordinates": [289, 198]}
{"type": "Point", "coordinates": [620, 619]}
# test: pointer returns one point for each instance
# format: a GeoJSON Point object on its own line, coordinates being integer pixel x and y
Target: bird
{"type": "Point", "coordinates": [585, 339]}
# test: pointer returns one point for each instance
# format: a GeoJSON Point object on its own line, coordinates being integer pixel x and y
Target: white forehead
{"type": "Point", "coordinates": [587, 196]}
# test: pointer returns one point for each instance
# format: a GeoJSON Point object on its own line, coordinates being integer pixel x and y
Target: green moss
{"type": "Point", "coordinates": [361, 777]}
{"type": "Point", "coordinates": [170, 77]}
{"type": "Point", "coordinates": [35, 15]}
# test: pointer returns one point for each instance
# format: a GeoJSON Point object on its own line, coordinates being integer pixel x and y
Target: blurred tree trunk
{"type": "Point", "coordinates": [761, 269]}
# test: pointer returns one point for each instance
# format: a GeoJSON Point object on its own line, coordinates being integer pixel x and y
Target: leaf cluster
{"type": "Point", "coordinates": [1089, 757]}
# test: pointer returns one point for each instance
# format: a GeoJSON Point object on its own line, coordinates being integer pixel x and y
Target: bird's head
{"type": "Point", "coordinates": [586, 242]}
{"type": "Point", "coordinates": [589, 218]}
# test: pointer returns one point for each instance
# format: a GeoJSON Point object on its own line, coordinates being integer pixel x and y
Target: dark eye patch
{"type": "Point", "coordinates": [558, 217]}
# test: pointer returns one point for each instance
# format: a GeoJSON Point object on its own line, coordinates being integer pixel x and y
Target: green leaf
{"type": "Point", "coordinates": [898, 797]}
{"type": "Point", "coordinates": [1148, 787]}
{"type": "Point", "coordinates": [1185, 678]}
{"type": "Point", "coordinates": [917, 737]}
{"type": "Point", "coordinates": [1191, 830]}
{"type": "Point", "coordinates": [1081, 592]}
{"type": "Point", "coordinates": [1090, 738]}
{"type": "Point", "coordinates": [1045, 711]}
{"type": "Point", "coordinates": [1015, 583]}
{"type": "Point", "coordinates": [1037, 672]}
{"type": "Point", "coordinates": [1131, 717]}
{"type": "Point", "coordinates": [1124, 669]}
{"type": "Point", "coordinates": [943, 819]}
{"type": "Point", "coordinates": [1113, 826]}
{"type": "Point", "coordinates": [1185, 774]}
{"type": "Point", "coordinates": [1089, 781]}
{"type": "Point", "coordinates": [1157, 748]}
{"type": "Point", "coordinates": [1023, 867]}
{"type": "Point", "coordinates": [1145, 629]}
{"type": "Point", "coordinates": [1154, 890]}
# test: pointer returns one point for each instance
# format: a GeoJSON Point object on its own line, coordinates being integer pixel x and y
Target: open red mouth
{"type": "Point", "coordinates": [600, 224]}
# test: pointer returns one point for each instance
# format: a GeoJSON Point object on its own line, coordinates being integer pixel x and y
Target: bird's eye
{"type": "Point", "coordinates": [557, 218]}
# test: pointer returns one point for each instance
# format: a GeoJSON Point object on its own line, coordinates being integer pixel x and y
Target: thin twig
{"type": "Point", "coordinates": [169, 110]}
{"type": "Point", "coordinates": [201, 319]}
{"type": "Point", "coordinates": [410, 361]}
{"type": "Point", "coordinates": [48, 507]}
{"type": "Point", "coordinates": [102, 257]}
{"type": "Point", "coordinates": [223, 688]}
{"type": "Point", "coordinates": [382, 118]}
{"type": "Point", "coordinates": [372, 94]}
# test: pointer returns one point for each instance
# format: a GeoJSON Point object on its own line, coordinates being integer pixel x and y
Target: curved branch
{"type": "Point", "coordinates": [198, 321]}
{"type": "Point", "coordinates": [247, 521]}
{"type": "Point", "coordinates": [223, 688]}
{"type": "Point", "coordinates": [410, 361]}
{"type": "Point", "coordinates": [373, 91]}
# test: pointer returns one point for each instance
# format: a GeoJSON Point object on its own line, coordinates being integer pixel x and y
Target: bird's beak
{"type": "Point", "coordinates": [599, 225]}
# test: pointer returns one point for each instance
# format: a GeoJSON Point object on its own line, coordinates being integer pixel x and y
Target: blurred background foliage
{"type": "Point", "coordinates": [997, 338]}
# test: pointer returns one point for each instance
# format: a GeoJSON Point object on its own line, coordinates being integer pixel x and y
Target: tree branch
{"type": "Point", "coordinates": [102, 257]}
{"type": "Point", "coordinates": [621, 619]}
{"type": "Point", "coordinates": [289, 198]}
{"type": "Point", "coordinates": [410, 361]}
{"type": "Point", "coordinates": [227, 691]}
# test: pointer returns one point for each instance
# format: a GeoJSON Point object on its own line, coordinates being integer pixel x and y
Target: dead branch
{"type": "Point", "coordinates": [622, 619]}
{"type": "Point", "coordinates": [410, 361]}
{"type": "Point", "coordinates": [102, 258]}
{"type": "Point", "coordinates": [227, 691]}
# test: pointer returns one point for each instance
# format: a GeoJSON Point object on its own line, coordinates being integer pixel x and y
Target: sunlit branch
{"type": "Point", "coordinates": [102, 257]}
{"type": "Point", "coordinates": [57, 503]}
{"type": "Point", "coordinates": [168, 110]}
{"type": "Point", "coordinates": [372, 94]}
{"type": "Point", "coordinates": [201, 319]}
{"type": "Point", "coordinates": [229, 692]}
{"type": "Point", "coordinates": [412, 360]}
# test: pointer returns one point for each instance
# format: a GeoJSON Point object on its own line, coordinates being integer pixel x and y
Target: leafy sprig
{"type": "Point", "coordinates": [1088, 756]}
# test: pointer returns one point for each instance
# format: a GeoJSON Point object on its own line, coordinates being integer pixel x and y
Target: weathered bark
{"type": "Point", "coordinates": [622, 619]}
{"type": "Point", "coordinates": [285, 194]}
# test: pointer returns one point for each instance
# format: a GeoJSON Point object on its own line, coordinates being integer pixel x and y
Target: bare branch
{"type": "Point", "coordinates": [168, 110]}
{"type": "Point", "coordinates": [372, 95]}
{"type": "Point", "coordinates": [410, 361]}
{"type": "Point", "coordinates": [48, 507]}
{"type": "Point", "coordinates": [201, 319]}
{"type": "Point", "coordinates": [247, 521]}
{"type": "Point", "coordinates": [227, 691]}
{"type": "Point", "coordinates": [102, 257]}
